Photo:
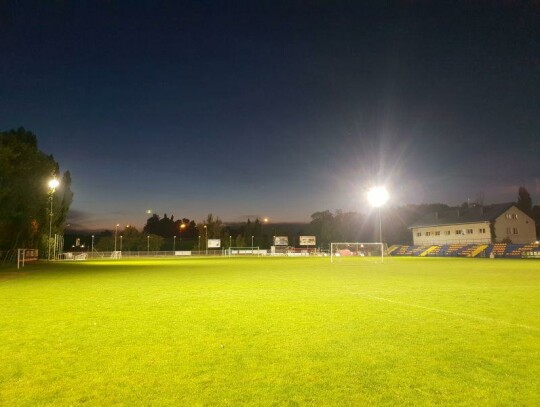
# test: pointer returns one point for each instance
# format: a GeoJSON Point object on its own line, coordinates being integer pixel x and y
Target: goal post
{"type": "Point", "coordinates": [117, 254]}
{"type": "Point", "coordinates": [26, 255]}
{"type": "Point", "coordinates": [355, 250]}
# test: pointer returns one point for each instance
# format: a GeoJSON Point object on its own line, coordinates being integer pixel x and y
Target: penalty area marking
{"type": "Point", "coordinates": [457, 314]}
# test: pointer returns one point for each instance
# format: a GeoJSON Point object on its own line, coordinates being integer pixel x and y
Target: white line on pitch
{"type": "Point", "coordinates": [458, 314]}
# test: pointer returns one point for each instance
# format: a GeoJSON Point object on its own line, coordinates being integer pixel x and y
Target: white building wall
{"type": "Point", "coordinates": [459, 233]}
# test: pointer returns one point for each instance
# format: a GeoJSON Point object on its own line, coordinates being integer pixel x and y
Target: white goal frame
{"type": "Point", "coordinates": [360, 245]}
{"type": "Point", "coordinates": [26, 255]}
{"type": "Point", "coordinates": [117, 254]}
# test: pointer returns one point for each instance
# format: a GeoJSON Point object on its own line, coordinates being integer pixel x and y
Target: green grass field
{"type": "Point", "coordinates": [271, 331]}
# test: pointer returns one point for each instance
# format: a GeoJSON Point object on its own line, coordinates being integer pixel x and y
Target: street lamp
{"type": "Point", "coordinates": [264, 236]}
{"type": "Point", "coordinates": [121, 239]}
{"type": "Point", "coordinates": [92, 245]}
{"type": "Point", "coordinates": [148, 245]}
{"type": "Point", "coordinates": [206, 232]}
{"type": "Point", "coordinates": [182, 226]}
{"type": "Point", "coordinates": [174, 244]}
{"type": "Point", "coordinates": [53, 184]}
{"type": "Point", "coordinates": [377, 197]}
{"type": "Point", "coordinates": [115, 234]}
{"type": "Point", "coordinates": [199, 245]}
{"type": "Point", "coordinates": [230, 242]}
{"type": "Point", "coordinates": [252, 241]}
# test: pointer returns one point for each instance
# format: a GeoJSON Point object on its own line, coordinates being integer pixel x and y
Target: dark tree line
{"type": "Point", "coordinates": [25, 195]}
{"type": "Point", "coordinates": [327, 226]}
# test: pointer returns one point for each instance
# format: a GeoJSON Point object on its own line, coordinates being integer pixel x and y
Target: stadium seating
{"type": "Point", "coordinates": [465, 250]}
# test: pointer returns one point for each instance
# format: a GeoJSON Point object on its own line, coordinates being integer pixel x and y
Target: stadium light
{"type": "Point", "coordinates": [377, 197]}
{"type": "Point", "coordinates": [53, 184]}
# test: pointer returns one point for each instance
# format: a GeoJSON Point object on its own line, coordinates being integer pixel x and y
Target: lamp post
{"type": "Point", "coordinates": [206, 232]}
{"type": "Point", "coordinates": [115, 234]}
{"type": "Point", "coordinates": [182, 226]}
{"type": "Point", "coordinates": [252, 242]}
{"type": "Point", "coordinates": [174, 244]}
{"type": "Point", "coordinates": [265, 237]}
{"type": "Point", "coordinates": [377, 197]}
{"type": "Point", "coordinates": [199, 245]}
{"type": "Point", "coordinates": [121, 239]}
{"type": "Point", "coordinates": [148, 245]}
{"type": "Point", "coordinates": [230, 242]}
{"type": "Point", "coordinates": [53, 184]}
{"type": "Point", "coordinates": [92, 245]}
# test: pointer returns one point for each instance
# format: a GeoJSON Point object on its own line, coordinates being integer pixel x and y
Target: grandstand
{"type": "Point", "coordinates": [504, 250]}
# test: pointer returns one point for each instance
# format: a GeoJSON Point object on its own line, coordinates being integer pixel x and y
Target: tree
{"type": "Point", "coordinates": [524, 201]}
{"type": "Point", "coordinates": [24, 194]}
{"type": "Point", "coordinates": [210, 228]}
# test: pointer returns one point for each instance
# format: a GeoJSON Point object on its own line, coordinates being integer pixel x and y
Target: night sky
{"type": "Point", "coordinates": [275, 109]}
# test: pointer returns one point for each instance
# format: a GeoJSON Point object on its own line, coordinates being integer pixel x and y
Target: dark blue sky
{"type": "Point", "coordinates": [275, 109]}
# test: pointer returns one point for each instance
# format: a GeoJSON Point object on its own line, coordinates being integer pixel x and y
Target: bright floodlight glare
{"type": "Point", "coordinates": [378, 196]}
{"type": "Point", "coordinates": [53, 183]}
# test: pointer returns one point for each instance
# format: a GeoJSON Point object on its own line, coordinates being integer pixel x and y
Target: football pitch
{"type": "Point", "coordinates": [271, 331]}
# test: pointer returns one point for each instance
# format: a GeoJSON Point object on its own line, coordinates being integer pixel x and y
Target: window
{"type": "Point", "coordinates": [437, 233]}
{"type": "Point", "coordinates": [508, 231]}
{"type": "Point", "coordinates": [469, 231]}
{"type": "Point", "coordinates": [459, 232]}
{"type": "Point", "coordinates": [447, 232]}
{"type": "Point", "coordinates": [514, 216]}
{"type": "Point", "coordinates": [508, 216]}
{"type": "Point", "coordinates": [511, 216]}
{"type": "Point", "coordinates": [428, 233]}
{"type": "Point", "coordinates": [419, 234]}
{"type": "Point", "coordinates": [515, 231]}
{"type": "Point", "coordinates": [482, 230]}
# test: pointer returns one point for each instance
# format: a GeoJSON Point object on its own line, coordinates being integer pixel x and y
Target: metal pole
{"type": "Point", "coordinates": [92, 246]}
{"type": "Point", "coordinates": [174, 243]}
{"type": "Point", "coordinates": [50, 225]}
{"type": "Point", "coordinates": [115, 233]}
{"type": "Point", "coordinates": [380, 235]}
{"type": "Point", "coordinates": [148, 245]}
{"type": "Point", "coordinates": [206, 230]}
{"type": "Point", "coordinates": [121, 238]}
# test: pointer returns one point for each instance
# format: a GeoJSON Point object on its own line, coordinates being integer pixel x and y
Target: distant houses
{"type": "Point", "coordinates": [478, 224]}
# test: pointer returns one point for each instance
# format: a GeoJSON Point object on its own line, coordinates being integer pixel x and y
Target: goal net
{"type": "Point", "coordinates": [353, 253]}
{"type": "Point", "coordinates": [117, 254]}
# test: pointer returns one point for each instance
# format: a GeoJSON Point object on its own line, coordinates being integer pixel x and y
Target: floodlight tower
{"type": "Point", "coordinates": [377, 197]}
{"type": "Point", "coordinates": [53, 184]}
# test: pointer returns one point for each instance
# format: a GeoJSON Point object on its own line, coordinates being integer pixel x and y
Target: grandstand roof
{"type": "Point", "coordinates": [459, 215]}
